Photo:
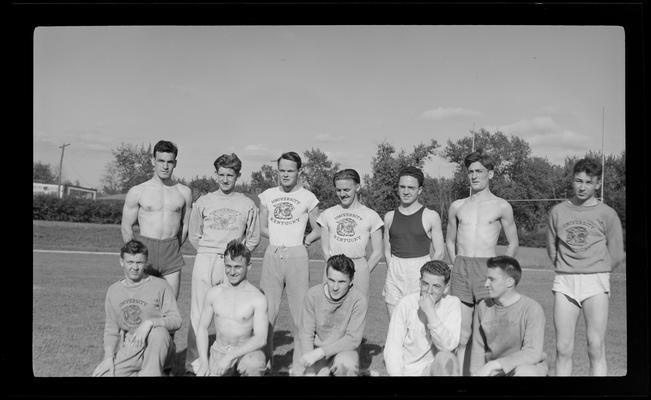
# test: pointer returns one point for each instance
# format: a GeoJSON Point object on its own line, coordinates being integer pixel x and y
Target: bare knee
{"type": "Point", "coordinates": [564, 348]}
{"type": "Point", "coordinates": [596, 347]}
{"type": "Point", "coordinates": [445, 364]}
{"type": "Point", "coordinates": [252, 364]}
{"type": "Point", "coordinates": [346, 364]}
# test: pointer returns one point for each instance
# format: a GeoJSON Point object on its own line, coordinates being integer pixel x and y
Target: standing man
{"type": "Point", "coordinates": [161, 208]}
{"type": "Point", "coordinates": [332, 322]}
{"type": "Point", "coordinates": [409, 232]}
{"type": "Point", "coordinates": [584, 241]}
{"type": "Point", "coordinates": [239, 310]}
{"type": "Point", "coordinates": [216, 219]}
{"type": "Point", "coordinates": [509, 327]}
{"type": "Point", "coordinates": [347, 227]}
{"type": "Point", "coordinates": [284, 213]}
{"type": "Point", "coordinates": [141, 312]}
{"type": "Point", "coordinates": [474, 225]}
{"type": "Point", "coordinates": [424, 329]}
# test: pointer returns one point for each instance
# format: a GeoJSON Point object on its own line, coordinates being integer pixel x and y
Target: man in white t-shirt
{"type": "Point", "coordinates": [347, 227]}
{"type": "Point", "coordinates": [284, 213]}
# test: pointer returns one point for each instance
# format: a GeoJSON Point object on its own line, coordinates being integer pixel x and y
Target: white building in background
{"type": "Point", "coordinates": [68, 190]}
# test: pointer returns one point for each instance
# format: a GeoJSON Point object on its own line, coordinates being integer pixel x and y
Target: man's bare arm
{"type": "Point", "coordinates": [130, 213]}
{"type": "Point", "coordinates": [264, 221]}
{"type": "Point", "coordinates": [376, 249]}
{"type": "Point", "coordinates": [325, 242]}
{"type": "Point", "coordinates": [315, 234]}
{"type": "Point", "coordinates": [186, 212]}
{"type": "Point", "coordinates": [436, 234]}
{"type": "Point", "coordinates": [204, 323]}
{"type": "Point", "coordinates": [510, 230]}
{"type": "Point", "coordinates": [388, 219]}
{"type": "Point", "coordinates": [451, 234]}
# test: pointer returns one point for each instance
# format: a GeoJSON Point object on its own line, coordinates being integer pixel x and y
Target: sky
{"type": "Point", "coordinates": [259, 91]}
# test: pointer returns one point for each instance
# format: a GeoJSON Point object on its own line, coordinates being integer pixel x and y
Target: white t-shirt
{"type": "Point", "coordinates": [288, 214]}
{"type": "Point", "coordinates": [408, 350]}
{"type": "Point", "coordinates": [349, 230]}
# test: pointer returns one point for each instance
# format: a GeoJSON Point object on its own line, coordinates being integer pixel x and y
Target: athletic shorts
{"type": "Point", "coordinates": [164, 255]}
{"type": "Point", "coordinates": [468, 278]}
{"type": "Point", "coordinates": [403, 277]}
{"type": "Point", "coordinates": [579, 287]}
{"type": "Point", "coordinates": [251, 364]}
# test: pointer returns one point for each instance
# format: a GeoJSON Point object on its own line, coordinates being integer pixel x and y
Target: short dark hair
{"type": "Point", "coordinates": [231, 161]}
{"type": "Point", "coordinates": [235, 248]}
{"type": "Point", "coordinates": [484, 159]}
{"type": "Point", "coordinates": [346, 174]}
{"type": "Point", "coordinates": [342, 264]}
{"type": "Point", "coordinates": [164, 146]}
{"type": "Point", "coordinates": [509, 265]}
{"type": "Point", "coordinates": [413, 172]}
{"type": "Point", "coordinates": [436, 267]}
{"type": "Point", "coordinates": [134, 247]}
{"type": "Point", "coordinates": [589, 166]}
{"type": "Point", "coordinates": [291, 156]}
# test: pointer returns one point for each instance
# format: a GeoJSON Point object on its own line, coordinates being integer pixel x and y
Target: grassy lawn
{"type": "Point", "coordinates": [69, 291]}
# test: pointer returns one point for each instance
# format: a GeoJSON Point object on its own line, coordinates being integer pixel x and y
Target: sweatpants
{"type": "Point", "coordinates": [284, 268]}
{"type": "Point", "coordinates": [345, 363]}
{"type": "Point", "coordinates": [205, 274]}
{"type": "Point", "coordinates": [147, 360]}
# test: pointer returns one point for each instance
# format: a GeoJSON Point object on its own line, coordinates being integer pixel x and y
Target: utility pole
{"type": "Point", "coordinates": [63, 148]}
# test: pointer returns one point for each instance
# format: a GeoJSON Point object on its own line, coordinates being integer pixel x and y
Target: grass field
{"type": "Point", "coordinates": [69, 290]}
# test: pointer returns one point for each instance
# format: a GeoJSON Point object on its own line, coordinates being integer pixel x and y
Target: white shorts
{"type": "Point", "coordinates": [580, 287]}
{"type": "Point", "coordinates": [403, 277]}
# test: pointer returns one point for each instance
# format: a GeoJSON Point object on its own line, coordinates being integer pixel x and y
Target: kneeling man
{"type": "Point", "coordinates": [425, 327]}
{"type": "Point", "coordinates": [508, 327]}
{"type": "Point", "coordinates": [240, 314]}
{"type": "Point", "coordinates": [141, 312]}
{"type": "Point", "coordinates": [332, 322]}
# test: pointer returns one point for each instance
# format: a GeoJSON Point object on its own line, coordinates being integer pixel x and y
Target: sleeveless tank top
{"type": "Point", "coordinates": [407, 236]}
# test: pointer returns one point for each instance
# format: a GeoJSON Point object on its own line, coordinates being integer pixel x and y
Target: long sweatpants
{"type": "Point", "coordinates": [284, 268]}
{"type": "Point", "coordinates": [205, 274]}
{"type": "Point", "coordinates": [147, 360]}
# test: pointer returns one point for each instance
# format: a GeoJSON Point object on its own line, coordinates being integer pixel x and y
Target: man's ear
{"type": "Point", "coordinates": [491, 173]}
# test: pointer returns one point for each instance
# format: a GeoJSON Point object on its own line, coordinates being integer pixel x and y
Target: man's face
{"type": "Point", "coordinates": [408, 190]}
{"type": "Point", "coordinates": [164, 164]}
{"type": "Point", "coordinates": [585, 186]}
{"type": "Point", "coordinates": [235, 269]}
{"type": "Point", "coordinates": [346, 191]}
{"type": "Point", "coordinates": [288, 173]}
{"type": "Point", "coordinates": [338, 283]}
{"type": "Point", "coordinates": [134, 266]}
{"type": "Point", "coordinates": [478, 176]}
{"type": "Point", "coordinates": [497, 282]}
{"type": "Point", "coordinates": [432, 285]}
{"type": "Point", "coordinates": [226, 179]}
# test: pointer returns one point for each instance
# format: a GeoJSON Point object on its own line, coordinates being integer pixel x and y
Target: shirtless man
{"type": "Point", "coordinates": [474, 225]}
{"type": "Point", "coordinates": [409, 233]}
{"type": "Point", "coordinates": [239, 310]}
{"type": "Point", "coordinates": [216, 219]}
{"type": "Point", "coordinates": [284, 213]}
{"type": "Point", "coordinates": [161, 208]}
{"type": "Point", "coordinates": [349, 226]}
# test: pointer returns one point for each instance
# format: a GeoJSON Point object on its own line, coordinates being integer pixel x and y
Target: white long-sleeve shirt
{"type": "Point", "coordinates": [411, 344]}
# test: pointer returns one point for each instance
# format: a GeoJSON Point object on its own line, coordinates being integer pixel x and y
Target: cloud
{"type": "Point", "coordinates": [547, 138]}
{"type": "Point", "coordinates": [328, 138]}
{"type": "Point", "coordinates": [260, 153]}
{"type": "Point", "coordinates": [88, 140]}
{"type": "Point", "coordinates": [440, 113]}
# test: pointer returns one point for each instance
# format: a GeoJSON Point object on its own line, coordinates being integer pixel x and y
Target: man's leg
{"type": "Point", "coordinates": [346, 363]}
{"type": "Point", "coordinates": [445, 364]}
{"type": "Point", "coordinates": [566, 313]}
{"type": "Point", "coordinates": [271, 284]}
{"type": "Point", "coordinates": [156, 352]}
{"type": "Point", "coordinates": [539, 369]}
{"type": "Point", "coordinates": [174, 280]}
{"type": "Point", "coordinates": [361, 277]}
{"type": "Point", "coordinates": [595, 313]}
{"type": "Point", "coordinates": [201, 272]}
{"type": "Point", "coordinates": [466, 331]}
{"type": "Point", "coordinates": [297, 274]}
{"type": "Point", "coordinates": [252, 364]}
{"type": "Point", "coordinates": [128, 360]}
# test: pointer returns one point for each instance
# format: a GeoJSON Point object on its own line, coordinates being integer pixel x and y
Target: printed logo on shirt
{"type": "Point", "coordinates": [223, 219]}
{"type": "Point", "coordinates": [131, 311]}
{"type": "Point", "coordinates": [577, 232]}
{"type": "Point", "coordinates": [347, 227]}
{"type": "Point", "coordinates": [576, 236]}
{"type": "Point", "coordinates": [283, 210]}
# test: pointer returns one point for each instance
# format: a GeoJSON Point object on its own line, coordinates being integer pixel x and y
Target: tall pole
{"type": "Point", "coordinates": [63, 148]}
{"type": "Point", "coordinates": [473, 150]}
{"type": "Point", "coordinates": [603, 155]}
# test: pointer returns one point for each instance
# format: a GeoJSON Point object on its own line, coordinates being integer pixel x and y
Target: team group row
{"type": "Point", "coordinates": [434, 308]}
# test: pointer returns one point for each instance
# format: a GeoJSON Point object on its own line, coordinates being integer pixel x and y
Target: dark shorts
{"type": "Point", "coordinates": [164, 255]}
{"type": "Point", "coordinates": [468, 278]}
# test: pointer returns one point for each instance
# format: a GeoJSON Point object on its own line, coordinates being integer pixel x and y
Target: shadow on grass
{"type": "Point", "coordinates": [366, 353]}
